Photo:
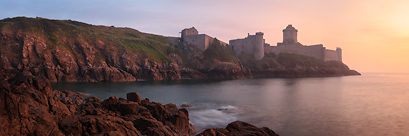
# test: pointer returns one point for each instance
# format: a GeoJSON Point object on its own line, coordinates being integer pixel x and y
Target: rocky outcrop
{"type": "Point", "coordinates": [225, 70]}
{"type": "Point", "coordinates": [95, 61]}
{"type": "Point", "coordinates": [29, 106]}
{"type": "Point", "coordinates": [239, 128]}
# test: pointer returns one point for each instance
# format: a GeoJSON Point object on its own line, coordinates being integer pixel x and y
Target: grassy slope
{"type": "Point", "coordinates": [55, 32]}
{"type": "Point", "coordinates": [220, 53]}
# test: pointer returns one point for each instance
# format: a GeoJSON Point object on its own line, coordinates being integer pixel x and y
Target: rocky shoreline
{"type": "Point", "coordinates": [30, 106]}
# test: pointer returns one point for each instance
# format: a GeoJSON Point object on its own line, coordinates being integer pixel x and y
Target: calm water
{"type": "Point", "coordinates": [371, 104]}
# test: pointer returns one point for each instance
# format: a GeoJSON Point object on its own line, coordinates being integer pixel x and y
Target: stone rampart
{"type": "Point", "coordinates": [252, 44]}
{"type": "Point", "coordinates": [316, 51]}
{"type": "Point", "coordinates": [174, 40]}
{"type": "Point", "coordinates": [333, 55]}
{"type": "Point", "coordinates": [201, 41]}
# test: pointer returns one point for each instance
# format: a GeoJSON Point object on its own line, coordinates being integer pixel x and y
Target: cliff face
{"type": "Point", "coordinates": [78, 62]}
{"type": "Point", "coordinates": [69, 51]}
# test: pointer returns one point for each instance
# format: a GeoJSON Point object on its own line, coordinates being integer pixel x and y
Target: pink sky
{"type": "Point", "coordinates": [373, 34]}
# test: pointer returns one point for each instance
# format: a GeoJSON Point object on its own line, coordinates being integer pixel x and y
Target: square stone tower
{"type": "Point", "coordinates": [188, 31]}
{"type": "Point", "coordinates": [290, 35]}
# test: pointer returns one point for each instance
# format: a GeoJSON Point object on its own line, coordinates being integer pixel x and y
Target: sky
{"type": "Point", "coordinates": [373, 34]}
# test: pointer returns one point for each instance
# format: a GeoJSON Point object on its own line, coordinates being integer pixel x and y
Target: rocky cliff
{"type": "Point", "coordinates": [70, 51]}
{"type": "Point", "coordinates": [29, 106]}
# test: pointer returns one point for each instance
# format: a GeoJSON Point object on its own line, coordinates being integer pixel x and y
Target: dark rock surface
{"type": "Point", "coordinates": [29, 106]}
{"type": "Point", "coordinates": [239, 128]}
{"type": "Point", "coordinates": [81, 62]}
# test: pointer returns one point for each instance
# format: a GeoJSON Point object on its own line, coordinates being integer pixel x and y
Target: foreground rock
{"type": "Point", "coordinates": [29, 106]}
{"type": "Point", "coordinates": [239, 128]}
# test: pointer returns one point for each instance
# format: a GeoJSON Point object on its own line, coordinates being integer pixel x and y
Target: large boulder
{"type": "Point", "coordinates": [134, 96]}
{"type": "Point", "coordinates": [239, 128]}
{"type": "Point", "coordinates": [245, 129]}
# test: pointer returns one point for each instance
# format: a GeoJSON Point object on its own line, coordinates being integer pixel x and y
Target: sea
{"type": "Point", "coordinates": [370, 104]}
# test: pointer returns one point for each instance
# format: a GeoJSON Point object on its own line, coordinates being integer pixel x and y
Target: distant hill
{"type": "Point", "coordinates": [67, 51]}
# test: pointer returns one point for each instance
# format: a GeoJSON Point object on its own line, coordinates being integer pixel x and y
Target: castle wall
{"type": "Point", "coordinates": [252, 44]}
{"type": "Point", "coordinates": [237, 46]}
{"type": "Point", "coordinates": [291, 45]}
{"type": "Point", "coordinates": [248, 45]}
{"type": "Point", "coordinates": [339, 51]}
{"type": "Point", "coordinates": [201, 41]}
{"type": "Point", "coordinates": [174, 40]}
{"type": "Point", "coordinates": [208, 42]}
{"type": "Point", "coordinates": [333, 55]}
{"type": "Point", "coordinates": [316, 51]}
{"type": "Point", "coordinates": [197, 40]}
{"type": "Point", "coordinates": [259, 46]}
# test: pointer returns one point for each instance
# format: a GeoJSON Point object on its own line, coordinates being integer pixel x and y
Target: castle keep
{"type": "Point", "coordinates": [255, 44]}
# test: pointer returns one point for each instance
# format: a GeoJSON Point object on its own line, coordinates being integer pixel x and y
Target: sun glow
{"type": "Point", "coordinates": [397, 19]}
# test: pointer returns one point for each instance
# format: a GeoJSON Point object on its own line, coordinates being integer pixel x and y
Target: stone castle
{"type": "Point", "coordinates": [255, 44]}
{"type": "Point", "coordinates": [191, 36]}
{"type": "Point", "coordinates": [252, 44]}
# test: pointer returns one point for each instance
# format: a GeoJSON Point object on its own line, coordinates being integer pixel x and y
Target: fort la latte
{"type": "Point", "coordinates": [255, 44]}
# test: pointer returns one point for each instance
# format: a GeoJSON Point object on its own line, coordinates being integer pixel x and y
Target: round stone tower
{"type": "Point", "coordinates": [290, 35]}
{"type": "Point", "coordinates": [259, 46]}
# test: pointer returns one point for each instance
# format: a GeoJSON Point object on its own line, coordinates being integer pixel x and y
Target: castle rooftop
{"type": "Point", "coordinates": [290, 27]}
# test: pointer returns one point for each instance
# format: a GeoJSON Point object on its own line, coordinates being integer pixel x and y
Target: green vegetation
{"type": "Point", "coordinates": [293, 60]}
{"type": "Point", "coordinates": [265, 63]}
{"type": "Point", "coordinates": [216, 51]}
{"type": "Point", "coordinates": [58, 32]}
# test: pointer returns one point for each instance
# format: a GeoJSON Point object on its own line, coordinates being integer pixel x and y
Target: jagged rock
{"type": "Point", "coordinates": [134, 96]}
{"type": "Point", "coordinates": [157, 110]}
{"type": "Point", "coordinates": [128, 107]}
{"type": "Point", "coordinates": [185, 106]}
{"type": "Point", "coordinates": [215, 132]}
{"type": "Point", "coordinates": [239, 128]}
{"type": "Point", "coordinates": [29, 107]}
{"type": "Point", "coordinates": [243, 128]}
